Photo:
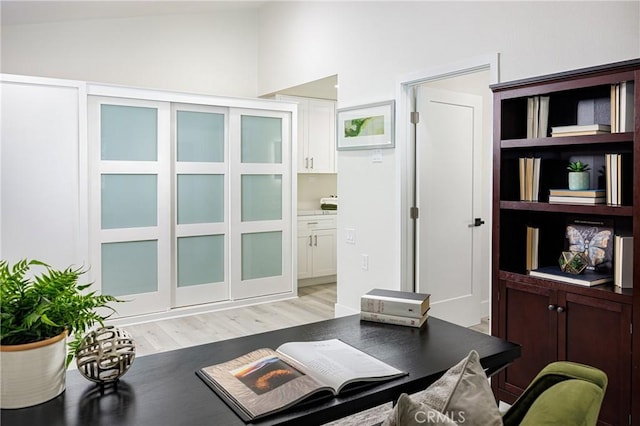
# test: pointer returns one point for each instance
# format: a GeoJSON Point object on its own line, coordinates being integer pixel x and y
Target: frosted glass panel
{"type": "Point", "coordinates": [261, 139]}
{"type": "Point", "coordinates": [200, 198]}
{"type": "Point", "coordinates": [200, 136]}
{"type": "Point", "coordinates": [261, 197]}
{"type": "Point", "coordinates": [129, 268]}
{"type": "Point", "coordinates": [200, 260]}
{"type": "Point", "coordinates": [128, 133]}
{"type": "Point", "coordinates": [261, 255]}
{"type": "Point", "coordinates": [129, 201]}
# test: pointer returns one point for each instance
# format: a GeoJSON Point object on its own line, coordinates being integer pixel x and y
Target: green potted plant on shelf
{"type": "Point", "coordinates": [578, 175]}
{"type": "Point", "coordinates": [37, 313]}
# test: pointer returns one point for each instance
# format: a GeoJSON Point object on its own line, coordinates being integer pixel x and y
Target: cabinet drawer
{"type": "Point", "coordinates": [307, 223]}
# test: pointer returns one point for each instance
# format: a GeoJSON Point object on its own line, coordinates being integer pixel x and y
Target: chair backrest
{"type": "Point", "coordinates": [563, 393]}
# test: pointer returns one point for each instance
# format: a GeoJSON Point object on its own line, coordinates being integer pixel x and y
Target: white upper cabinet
{"type": "Point", "coordinates": [316, 134]}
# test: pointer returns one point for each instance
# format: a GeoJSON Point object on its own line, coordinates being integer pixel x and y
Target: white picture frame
{"type": "Point", "coordinates": [370, 126]}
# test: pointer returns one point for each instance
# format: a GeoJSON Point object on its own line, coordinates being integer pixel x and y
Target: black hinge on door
{"type": "Point", "coordinates": [415, 117]}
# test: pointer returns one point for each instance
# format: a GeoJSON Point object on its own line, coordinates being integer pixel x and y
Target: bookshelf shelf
{"type": "Point", "coordinates": [551, 319]}
{"type": "Point", "coordinates": [546, 142]}
{"type": "Point", "coordinates": [568, 208]}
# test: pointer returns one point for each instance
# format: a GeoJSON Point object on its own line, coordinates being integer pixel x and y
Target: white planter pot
{"type": "Point", "coordinates": [33, 373]}
{"type": "Point", "coordinates": [578, 180]}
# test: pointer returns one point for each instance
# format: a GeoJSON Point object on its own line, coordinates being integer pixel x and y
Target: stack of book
{"type": "Point", "coordinates": [395, 307]}
{"type": "Point", "coordinates": [571, 196]}
{"type": "Point", "coordinates": [580, 130]}
{"type": "Point", "coordinates": [529, 169]}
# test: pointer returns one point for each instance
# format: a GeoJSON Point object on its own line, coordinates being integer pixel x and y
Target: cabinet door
{"type": "Point", "coordinates": [525, 318]}
{"type": "Point", "coordinates": [324, 252]}
{"type": "Point", "coordinates": [321, 122]}
{"type": "Point", "coordinates": [597, 332]}
{"type": "Point", "coordinates": [305, 253]}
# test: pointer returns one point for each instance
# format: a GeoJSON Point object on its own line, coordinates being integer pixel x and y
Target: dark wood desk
{"type": "Point", "coordinates": [163, 389]}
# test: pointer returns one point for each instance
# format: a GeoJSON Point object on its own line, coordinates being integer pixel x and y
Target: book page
{"type": "Point", "coordinates": [337, 363]}
{"type": "Point", "coordinates": [260, 382]}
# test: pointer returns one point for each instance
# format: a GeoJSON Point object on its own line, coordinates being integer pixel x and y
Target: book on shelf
{"type": "Point", "coordinates": [580, 129]}
{"type": "Point", "coordinates": [267, 381]}
{"type": "Point", "coordinates": [395, 302]}
{"type": "Point", "coordinates": [622, 106]}
{"type": "Point", "coordinates": [587, 278]}
{"type": "Point", "coordinates": [617, 187]}
{"type": "Point", "coordinates": [394, 319]}
{"type": "Point", "coordinates": [623, 261]}
{"type": "Point", "coordinates": [529, 170]}
{"type": "Point", "coordinates": [533, 235]}
{"type": "Point", "coordinates": [537, 116]}
{"type": "Point", "coordinates": [563, 199]}
{"type": "Point", "coordinates": [595, 193]}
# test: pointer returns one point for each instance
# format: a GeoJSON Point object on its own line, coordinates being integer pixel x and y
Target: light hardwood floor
{"type": "Point", "coordinates": [314, 303]}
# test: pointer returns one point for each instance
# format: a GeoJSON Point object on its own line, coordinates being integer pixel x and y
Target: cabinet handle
{"type": "Point", "coordinates": [552, 307]}
{"type": "Point", "coordinates": [316, 240]}
{"type": "Point", "coordinates": [311, 162]}
{"type": "Point", "coordinates": [560, 309]}
{"type": "Point", "coordinates": [312, 223]}
{"type": "Point", "coordinates": [306, 162]}
{"type": "Point", "coordinates": [310, 241]}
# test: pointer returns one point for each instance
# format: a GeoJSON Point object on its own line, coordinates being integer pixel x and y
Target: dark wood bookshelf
{"type": "Point", "coordinates": [551, 319]}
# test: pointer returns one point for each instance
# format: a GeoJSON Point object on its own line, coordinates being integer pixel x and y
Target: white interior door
{"type": "Point", "coordinates": [448, 185]}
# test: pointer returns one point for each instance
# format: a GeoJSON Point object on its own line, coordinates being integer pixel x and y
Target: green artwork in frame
{"type": "Point", "coordinates": [366, 127]}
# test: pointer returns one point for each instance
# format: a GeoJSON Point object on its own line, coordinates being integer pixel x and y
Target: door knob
{"type": "Point", "coordinates": [552, 307]}
{"type": "Point", "coordinates": [560, 309]}
{"type": "Point", "coordinates": [476, 222]}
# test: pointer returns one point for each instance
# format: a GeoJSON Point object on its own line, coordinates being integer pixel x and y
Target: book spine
{"type": "Point", "coordinates": [390, 319]}
{"type": "Point", "coordinates": [404, 309]}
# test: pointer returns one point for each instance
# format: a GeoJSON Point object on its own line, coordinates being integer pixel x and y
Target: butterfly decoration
{"type": "Point", "coordinates": [595, 243]}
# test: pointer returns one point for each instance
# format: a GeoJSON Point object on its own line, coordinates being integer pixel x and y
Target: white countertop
{"type": "Point", "coordinates": [316, 212]}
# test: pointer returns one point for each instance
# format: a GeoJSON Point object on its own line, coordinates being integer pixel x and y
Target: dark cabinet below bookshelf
{"type": "Point", "coordinates": [568, 326]}
{"type": "Point", "coordinates": [541, 125]}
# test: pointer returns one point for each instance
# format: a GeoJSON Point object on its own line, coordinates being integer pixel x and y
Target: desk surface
{"type": "Point", "coordinates": [162, 389]}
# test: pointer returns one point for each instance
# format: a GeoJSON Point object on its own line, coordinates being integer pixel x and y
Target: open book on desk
{"type": "Point", "coordinates": [265, 381]}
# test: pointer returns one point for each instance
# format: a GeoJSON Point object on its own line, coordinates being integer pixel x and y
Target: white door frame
{"type": "Point", "coordinates": [405, 131]}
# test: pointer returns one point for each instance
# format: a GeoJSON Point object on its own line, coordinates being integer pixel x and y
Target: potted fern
{"type": "Point", "coordinates": [37, 313]}
{"type": "Point", "coordinates": [578, 175]}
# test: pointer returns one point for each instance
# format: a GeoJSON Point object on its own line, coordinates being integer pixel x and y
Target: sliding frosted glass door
{"type": "Point", "coordinates": [261, 205]}
{"type": "Point", "coordinates": [201, 204]}
{"type": "Point", "coordinates": [130, 186]}
{"type": "Point", "coordinates": [189, 204]}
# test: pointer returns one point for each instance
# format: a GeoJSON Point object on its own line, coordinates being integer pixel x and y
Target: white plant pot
{"type": "Point", "coordinates": [33, 373]}
{"type": "Point", "coordinates": [578, 180]}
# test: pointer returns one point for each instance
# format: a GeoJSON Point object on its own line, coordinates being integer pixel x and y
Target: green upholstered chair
{"type": "Point", "coordinates": [563, 393]}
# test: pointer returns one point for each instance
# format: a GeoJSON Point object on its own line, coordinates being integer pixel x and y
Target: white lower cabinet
{"type": "Point", "coordinates": [316, 246]}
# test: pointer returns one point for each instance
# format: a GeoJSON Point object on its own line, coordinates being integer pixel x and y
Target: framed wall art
{"type": "Point", "coordinates": [366, 127]}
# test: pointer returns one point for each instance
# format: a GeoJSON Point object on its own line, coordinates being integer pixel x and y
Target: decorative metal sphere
{"type": "Point", "coordinates": [105, 354]}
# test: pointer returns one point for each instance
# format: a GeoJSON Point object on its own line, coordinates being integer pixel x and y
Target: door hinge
{"type": "Point", "coordinates": [415, 117]}
{"type": "Point", "coordinates": [413, 212]}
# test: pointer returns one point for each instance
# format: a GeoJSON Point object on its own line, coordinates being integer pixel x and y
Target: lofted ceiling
{"type": "Point", "coordinates": [25, 12]}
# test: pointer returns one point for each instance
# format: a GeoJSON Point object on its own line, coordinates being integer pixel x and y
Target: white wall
{"type": "Point", "coordinates": [371, 44]}
{"type": "Point", "coordinates": [367, 44]}
{"type": "Point", "coordinates": [208, 53]}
